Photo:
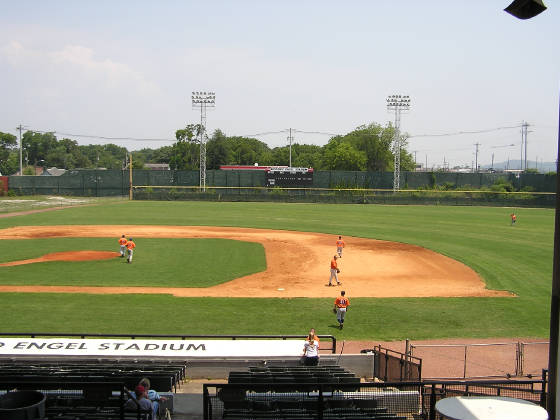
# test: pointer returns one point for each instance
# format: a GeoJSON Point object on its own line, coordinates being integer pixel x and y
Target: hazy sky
{"type": "Point", "coordinates": [127, 69]}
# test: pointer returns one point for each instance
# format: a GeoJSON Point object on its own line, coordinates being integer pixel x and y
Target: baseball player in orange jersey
{"type": "Point", "coordinates": [122, 244]}
{"type": "Point", "coordinates": [339, 245]}
{"type": "Point", "coordinates": [334, 271]}
{"type": "Point", "coordinates": [341, 305]}
{"type": "Point", "coordinates": [130, 245]}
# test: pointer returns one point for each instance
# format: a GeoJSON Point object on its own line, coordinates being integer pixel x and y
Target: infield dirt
{"type": "Point", "coordinates": [298, 264]}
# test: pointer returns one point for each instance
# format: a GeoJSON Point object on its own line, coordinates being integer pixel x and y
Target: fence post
{"type": "Point", "coordinates": [407, 358]}
{"type": "Point", "coordinates": [205, 402]}
{"type": "Point", "coordinates": [320, 403]}
{"type": "Point", "coordinates": [465, 364]}
{"type": "Point", "coordinates": [520, 359]}
{"type": "Point", "coordinates": [432, 414]}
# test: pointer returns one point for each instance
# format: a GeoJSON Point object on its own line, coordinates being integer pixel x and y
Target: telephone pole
{"type": "Point", "coordinates": [20, 127]}
{"type": "Point", "coordinates": [397, 103]}
{"type": "Point", "coordinates": [203, 100]}
{"type": "Point", "coordinates": [290, 139]}
{"type": "Point", "coordinates": [476, 156]}
{"type": "Point", "coordinates": [524, 132]}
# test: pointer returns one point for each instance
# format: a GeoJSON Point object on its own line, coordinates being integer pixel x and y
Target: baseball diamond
{"type": "Point", "coordinates": [295, 264]}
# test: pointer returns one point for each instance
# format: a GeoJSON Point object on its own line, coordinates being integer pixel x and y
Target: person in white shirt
{"type": "Point", "coordinates": [311, 351]}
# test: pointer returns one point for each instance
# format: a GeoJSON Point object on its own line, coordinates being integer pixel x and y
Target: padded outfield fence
{"type": "Point", "coordinates": [391, 400]}
{"type": "Point", "coordinates": [345, 196]}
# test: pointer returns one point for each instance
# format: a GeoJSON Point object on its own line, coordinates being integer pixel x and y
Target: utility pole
{"type": "Point", "coordinates": [397, 103]}
{"type": "Point", "coordinates": [290, 139]}
{"type": "Point", "coordinates": [19, 127]}
{"type": "Point", "coordinates": [476, 156]}
{"type": "Point", "coordinates": [415, 160]}
{"type": "Point", "coordinates": [524, 141]}
{"type": "Point", "coordinates": [203, 100]}
{"type": "Point", "coordinates": [426, 162]}
{"type": "Point", "coordinates": [492, 160]}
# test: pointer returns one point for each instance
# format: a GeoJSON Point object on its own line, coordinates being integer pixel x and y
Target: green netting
{"type": "Point", "coordinates": [116, 182]}
{"type": "Point", "coordinates": [349, 196]}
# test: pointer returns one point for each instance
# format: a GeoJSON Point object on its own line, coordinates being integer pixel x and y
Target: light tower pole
{"type": "Point", "coordinates": [397, 103]}
{"type": "Point", "coordinates": [203, 100]}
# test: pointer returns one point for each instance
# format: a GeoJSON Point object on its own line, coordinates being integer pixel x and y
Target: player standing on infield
{"type": "Point", "coordinates": [130, 245]}
{"type": "Point", "coordinates": [122, 244]}
{"type": "Point", "coordinates": [339, 245]}
{"type": "Point", "coordinates": [334, 271]}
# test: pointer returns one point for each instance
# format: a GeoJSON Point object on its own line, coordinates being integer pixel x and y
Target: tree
{"type": "Point", "coordinates": [218, 151]}
{"type": "Point", "coordinates": [8, 144]}
{"type": "Point", "coordinates": [185, 154]}
{"type": "Point", "coordinates": [248, 151]}
{"type": "Point", "coordinates": [37, 146]}
{"type": "Point", "coordinates": [375, 142]}
{"type": "Point", "coordinates": [341, 156]}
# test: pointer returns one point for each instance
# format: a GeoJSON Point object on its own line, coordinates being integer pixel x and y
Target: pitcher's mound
{"type": "Point", "coordinates": [67, 256]}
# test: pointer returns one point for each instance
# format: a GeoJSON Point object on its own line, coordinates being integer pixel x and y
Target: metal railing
{"type": "Point", "coordinates": [482, 358]}
{"type": "Point", "coordinates": [396, 400]}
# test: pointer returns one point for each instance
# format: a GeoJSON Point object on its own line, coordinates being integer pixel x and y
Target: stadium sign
{"type": "Point", "coordinates": [141, 348]}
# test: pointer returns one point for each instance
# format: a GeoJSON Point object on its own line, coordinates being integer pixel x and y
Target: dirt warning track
{"type": "Point", "coordinates": [297, 264]}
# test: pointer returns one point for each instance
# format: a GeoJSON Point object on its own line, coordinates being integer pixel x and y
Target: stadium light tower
{"type": "Point", "coordinates": [397, 103]}
{"type": "Point", "coordinates": [203, 100]}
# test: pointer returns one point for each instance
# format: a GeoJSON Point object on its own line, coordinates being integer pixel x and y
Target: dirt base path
{"type": "Point", "coordinates": [298, 264]}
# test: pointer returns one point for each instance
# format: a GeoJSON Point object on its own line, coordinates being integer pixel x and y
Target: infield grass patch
{"type": "Point", "coordinates": [157, 262]}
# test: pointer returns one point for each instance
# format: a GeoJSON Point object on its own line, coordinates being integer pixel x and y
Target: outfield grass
{"type": "Point", "coordinates": [518, 259]}
{"type": "Point", "coordinates": [157, 262]}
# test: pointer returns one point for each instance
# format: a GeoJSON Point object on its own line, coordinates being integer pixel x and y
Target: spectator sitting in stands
{"type": "Point", "coordinates": [140, 400]}
{"type": "Point", "coordinates": [152, 395]}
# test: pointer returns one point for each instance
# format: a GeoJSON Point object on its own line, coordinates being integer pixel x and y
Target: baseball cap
{"type": "Point", "coordinates": [139, 389]}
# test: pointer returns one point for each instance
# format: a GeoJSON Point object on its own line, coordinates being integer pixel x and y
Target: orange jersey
{"type": "Point", "coordinates": [340, 243]}
{"type": "Point", "coordinates": [334, 264]}
{"type": "Point", "coordinates": [342, 302]}
{"type": "Point", "coordinates": [130, 245]}
{"type": "Point", "coordinates": [122, 241]}
{"type": "Point", "coordinates": [513, 217]}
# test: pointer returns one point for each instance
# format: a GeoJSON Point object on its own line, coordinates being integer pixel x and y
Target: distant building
{"type": "Point", "coordinates": [157, 166]}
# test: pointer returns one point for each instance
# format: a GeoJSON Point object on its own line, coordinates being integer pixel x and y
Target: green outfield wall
{"type": "Point", "coordinates": [328, 186]}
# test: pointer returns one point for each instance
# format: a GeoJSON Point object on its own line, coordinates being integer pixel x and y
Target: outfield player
{"type": "Point", "coordinates": [334, 271]}
{"type": "Point", "coordinates": [122, 245]}
{"type": "Point", "coordinates": [130, 245]}
{"type": "Point", "coordinates": [513, 218]}
{"type": "Point", "coordinates": [341, 305]}
{"type": "Point", "coordinates": [339, 245]}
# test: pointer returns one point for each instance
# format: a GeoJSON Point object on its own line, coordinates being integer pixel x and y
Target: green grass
{"type": "Point", "coordinates": [518, 259]}
{"type": "Point", "coordinates": [157, 262]}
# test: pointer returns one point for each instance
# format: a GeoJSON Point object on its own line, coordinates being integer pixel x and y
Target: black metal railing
{"type": "Point", "coordinates": [395, 400]}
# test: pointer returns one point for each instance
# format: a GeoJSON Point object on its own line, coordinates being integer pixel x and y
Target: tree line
{"type": "Point", "coordinates": [367, 148]}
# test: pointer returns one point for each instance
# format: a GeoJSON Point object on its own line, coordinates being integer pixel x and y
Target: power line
{"type": "Point", "coordinates": [466, 132]}
{"type": "Point", "coordinates": [91, 136]}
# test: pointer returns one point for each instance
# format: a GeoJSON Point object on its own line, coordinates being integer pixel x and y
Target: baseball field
{"type": "Point", "coordinates": [417, 272]}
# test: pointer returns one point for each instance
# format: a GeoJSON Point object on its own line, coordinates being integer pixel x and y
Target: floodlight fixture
{"type": "Point", "coordinates": [525, 9]}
